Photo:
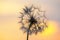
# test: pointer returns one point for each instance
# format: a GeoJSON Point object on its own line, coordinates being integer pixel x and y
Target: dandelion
{"type": "Point", "coordinates": [32, 20]}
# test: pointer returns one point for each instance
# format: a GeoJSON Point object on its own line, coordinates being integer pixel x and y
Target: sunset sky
{"type": "Point", "coordinates": [9, 13]}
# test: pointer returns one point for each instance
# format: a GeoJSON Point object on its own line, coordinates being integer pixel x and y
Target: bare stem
{"type": "Point", "coordinates": [28, 31]}
{"type": "Point", "coordinates": [28, 35]}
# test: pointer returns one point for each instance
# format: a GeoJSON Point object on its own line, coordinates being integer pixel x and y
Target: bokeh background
{"type": "Point", "coordinates": [9, 13]}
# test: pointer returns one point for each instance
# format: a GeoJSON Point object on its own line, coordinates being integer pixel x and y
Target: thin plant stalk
{"type": "Point", "coordinates": [28, 31]}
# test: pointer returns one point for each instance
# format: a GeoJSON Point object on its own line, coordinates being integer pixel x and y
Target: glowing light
{"type": "Point", "coordinates": [52, 28]}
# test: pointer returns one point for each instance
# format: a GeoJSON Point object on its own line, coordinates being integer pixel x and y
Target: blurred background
{"type": "Point", "coordinates": [9, 13]}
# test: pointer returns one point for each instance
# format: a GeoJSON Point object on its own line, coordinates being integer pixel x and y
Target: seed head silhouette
{"type": "Point", "coordinates": [32, 21]}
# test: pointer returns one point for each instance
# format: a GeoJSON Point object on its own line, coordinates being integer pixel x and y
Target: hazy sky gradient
{"type": "Point", "coordinates": [9, 13]}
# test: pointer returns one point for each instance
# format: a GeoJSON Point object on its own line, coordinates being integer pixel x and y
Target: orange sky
{"type": "Point", "coordinates": [9, 26]}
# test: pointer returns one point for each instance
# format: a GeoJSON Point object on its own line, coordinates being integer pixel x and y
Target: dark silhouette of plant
{"type": "Point", "coordinates": [32, 20]}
